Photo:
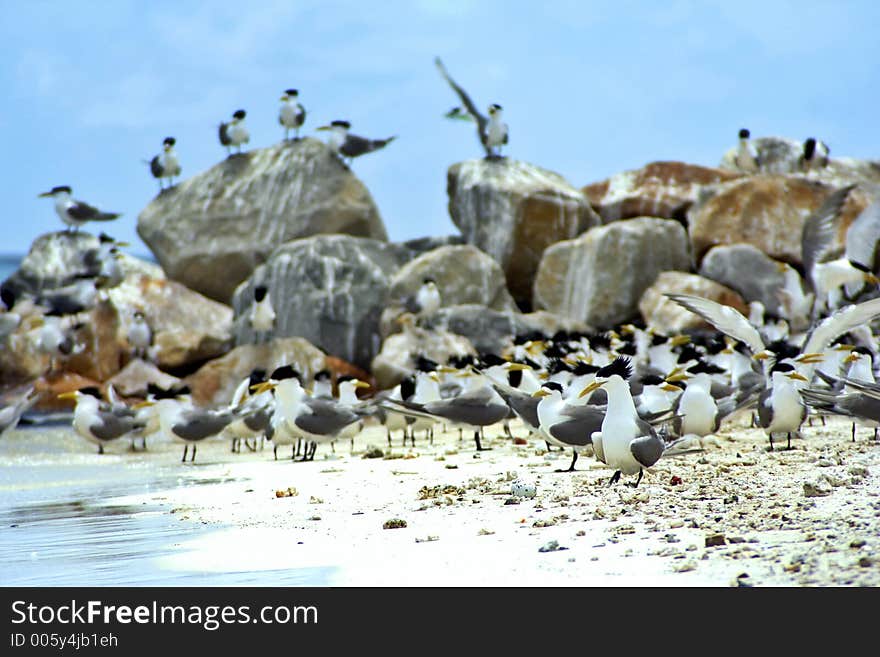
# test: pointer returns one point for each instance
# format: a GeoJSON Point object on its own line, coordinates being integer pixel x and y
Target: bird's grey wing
{"type": "Point", "coordinates": [847, 318]}
{"type": "Point", "coordinates": [327, 417]}
{"type": "Point", "coordinates": [475, 408]}
{"type": "Point", "coordinates": [355, 145]}
{"type": "Point", "coordinates": [82, 211]}
{"type": "Point", "coordinates": [579, 427]}
{"type": "Point", "coordinates": [156, 167]}
{"type": "Point", "coordinates": [862, 236]}
{"type": "Point", "coordinates": [647, 450]}
{"type": "Point", "coordinates": [482, 121]}
{"type": "Point", "coordinates": [223, 133]}
{"type": "Point", "coordinates": [301, 114]}
{"type": "Point", "coordinates": [726, 319]}
{"type": "Point", "coordinates": [411, 304]}
{"type": "Point", "coordinates": [860, 406]}
{"type": "Point", "coordinates": [109, 425]}
{"type": "Point", "coordinates": [818, 231]}
{"type": "Point", "coordinates": [198, 425]}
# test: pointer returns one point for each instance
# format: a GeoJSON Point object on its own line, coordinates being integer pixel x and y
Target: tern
{"type": "Point", "coordinates": [292, 114]}
{"type": "Point", "coordinates": [75, 213]}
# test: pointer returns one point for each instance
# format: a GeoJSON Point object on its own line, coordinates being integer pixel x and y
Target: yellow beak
{"type": "Point", "coordinates": [810, 358]}
{"type": "Point", "coordinates": [361, 384]}
{"type": "Point", "coordinates": [68, 395]}
{"type": "Point", "coordinates": [144, 404]}
{"type": "Point", "coordinates": [870, 278]}
{"type": "Point", "coordinates": [260, 388]}
{"type": "Point", "coordinates": [593, 385]}
{"type": "Point", "coordinates": [679, 340]}
{"type": "Point", "coordinates": [668, 387]}
{"type": "Point", "coordinates": [852, 357]}
{"type": "Point", "coordinates": [797, 376]}
{"type": "Point", "coordinates": [517, 367]}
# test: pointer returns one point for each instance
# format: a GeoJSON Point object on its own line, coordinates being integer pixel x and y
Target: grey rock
{"type": "Point", "coordinates": [463, 274]}
{"type": "Point", "coordinates": [600, 277]}
{"type": "Point", "coordinates": [421, 245]}
{"type": "Point", "coordinates": [513, 211]}
{"type": "Point", "coordinates": [749, 271]}
{"type": "Point", "coordinates": [328, 289]}
{"type": "Point", "coordinates": [210, 231]}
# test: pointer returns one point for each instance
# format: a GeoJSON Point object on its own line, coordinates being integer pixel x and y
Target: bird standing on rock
{"type": "Point", "coordinates": [814, 156]}
{"type": "Point", "coordinates": [166, 165]}
{"type": "Point", "coordinates": [491, 131]}
{"type": "Point", "coordinates": [351, 146]}
{"type": "Point", "coordinates": [75, 213]}
{"type": "Point", "coordinates": [746, 158]}
{"type": "Point", "coordinates": [262, 315]}
{"type": "Point", "coordinates": [234, 133]}
{"type": "Point", "coordinates": [292, 114]}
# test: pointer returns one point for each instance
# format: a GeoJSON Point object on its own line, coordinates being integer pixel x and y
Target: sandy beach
{"type": "Point", "coordinates": [734, 514]}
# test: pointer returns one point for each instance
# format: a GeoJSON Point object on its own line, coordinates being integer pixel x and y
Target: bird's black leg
{"type": "Point", "coordinates": [100, 449]}
{"type": "Point", "coordinates": [822, 417]}
{"type": "Point", "coordinates": [388, 433]}
{"type": "Point", "coordinates": [234, 443]}
{"type": "Point", "coordinates": [144, 443]}
{"type": "Point", "coordinates": [506, 426]}
{"type": "Point", "coordinates": [192, 459]}
{"type": "Point", "coordinates": [314, 449]}
{"type": "Point", "coordinates": [275, 452]}
{"type": "Point", "coordinates": [185, 450]}
{"type": "Point", "coordinates": [875, 433]}
{"type": "Point", "coordinates": [574, 458]}
{"type": "Point", "coordinates": [614, 478]}
{"type": "Point", "coordinates": [771, 442]}
{"type": "Point", "coordinates": [641, 472]}
{"type": "Point", "coordinates": [789, 440]}
{"type": "Point", "coordinates": [854, 431]}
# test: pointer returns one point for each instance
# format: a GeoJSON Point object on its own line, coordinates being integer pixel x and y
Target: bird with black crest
{"type": "Point", "coordinates": [262, 314]}
{"type": "Point", "coordinates": [234, 132]}
{"type": "Point", "coordinates": [814, 155]}
{"type": "Point", "coordinates": [292, 114]}
{"type": "Point", "coordinates": [349, 146]}
{"type": "Point", "coordinates": [98, 422]}
{"type": "Point", "coordinates": [75, 213]}
{"type": "Point", "coordinates": [165, 165]}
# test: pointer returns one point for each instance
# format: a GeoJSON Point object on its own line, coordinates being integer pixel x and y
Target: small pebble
{"type": "Point", "coordinates": [715, 540]}
{"type": "Point", "coordinates": [552, 546]}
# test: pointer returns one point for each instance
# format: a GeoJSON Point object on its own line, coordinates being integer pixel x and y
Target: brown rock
{"type": "Point", "coordinates": [666, 316]}
{"type": "Point", "coordinates": [103, 354]}
{"type": "Point", "coordinates": [599, 277]}
{"type": "Point", "coordinates": [216, 381]}
{"type": "Point", "coordinates": [187, 327]}
{"type": "Point", "coordinates": [50, 387]}
{"type": "Point", "coordinates": [658, 189]}
{"type": "Point", "coordinates": [513, 211]}
{"type": "Point", "coordinates": [766, 211]}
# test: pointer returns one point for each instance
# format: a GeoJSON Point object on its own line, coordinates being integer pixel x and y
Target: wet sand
{"type": "Point", "coordinates": [739, 516]}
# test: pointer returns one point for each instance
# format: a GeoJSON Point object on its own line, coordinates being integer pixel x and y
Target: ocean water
{"type": "Point", "coordinates": [8, 264]}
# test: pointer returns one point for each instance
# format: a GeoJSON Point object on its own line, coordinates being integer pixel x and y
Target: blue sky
{"type": "Point", "coordinates": [589, 88]}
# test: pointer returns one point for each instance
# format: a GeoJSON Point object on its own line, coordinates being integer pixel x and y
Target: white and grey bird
{"type": "Point", "coordinates": [491, 131]}
{"type": "Point", "coordinates": [795, 304]}
{"type": "Point", "coordinates": [254, 425]}
{"type": "Point", "coordinates": [814, 156]}
{"type": "Point", "coordinates": [184, 423]}
{"type": "Point", "coordinates": [14, 405]}
{"type": "Point", "coordinates": [235, 132]}
{"type": "Point", "coordinates": [166, 165]}
{"type": "Point", "coordinates": [75, 213]}
{"type": "Point", "coordinates": [477, 406]}
{"type": "Point", "coordinates": [566, 425]}
{"type": "Point", "coordinates": [426, 301]}
{"type": "Point", "coordinates": [97, 421]}
{"type": "Point", "coordinates": [854, 268]}
{"type": "Point", "coordinates": [292, 114]}
{"type": "Point", "coordinates": [746, 157]}
{"type": "Point", "coordinates": [75, 297]}
{"type": "Point", "coordinates": [140, 335]}
{"type": "Point", "coordinates": [625, 441]}
{"type": "Point", "coordinates": [57, 338]}
{"type": "Point", "coordinates": [262, 314]}
{"type": "Point", "coordinates": [316, 420]}
{"type": "Point", "coordinates": [351, 146]}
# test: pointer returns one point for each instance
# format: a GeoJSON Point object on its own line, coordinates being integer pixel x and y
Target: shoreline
{"type": "Point", "coordinates": [809, 516]}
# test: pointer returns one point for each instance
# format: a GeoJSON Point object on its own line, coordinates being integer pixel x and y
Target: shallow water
{"type": "Point", "coordinates": [63, 521]}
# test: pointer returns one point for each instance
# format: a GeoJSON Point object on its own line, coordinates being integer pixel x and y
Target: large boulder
{"type": "Point", "coordinates": [749, 271]}
{"type": "Point", "coordinates": [599, 277]}
{"type": "Point", "coordinates": [513, 211]}
{"type": "Point", "coordinates": [658, 189]}
{"type": "Point", "coordinates": [328, 289]}
{"type": "Point", "coordinates": [215, 382]}
{"type": "Point", "coordinates": [209, 232]}
{"type": "Point", "coordinates": [188, 328]}
{"type": "Point", "coordinates": [666, 316]}
{"type": "Point", "coordinates": [766, 211]}
{"type": "Point", "coordinates": [463, 274]}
